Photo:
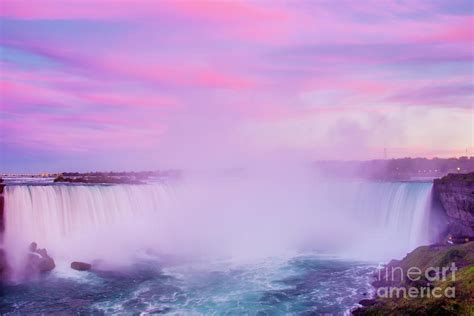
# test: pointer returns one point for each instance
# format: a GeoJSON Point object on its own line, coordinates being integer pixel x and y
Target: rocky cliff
{"type": "Point", "coordinates": [456, 194]}
{"type": "Point", "coordinates": [3, 259]}
{"type": "Point", "coordinates": [450, 292]}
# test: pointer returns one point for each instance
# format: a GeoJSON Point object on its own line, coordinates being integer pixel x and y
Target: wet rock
{"type": "Point", "coordinates": [358, 311]}
{"type": "Point", "coordinates": [39, 260]}
{"type": "Point", "coordinates": [159, 310]}
{"type": "Point", "coordinates": [3, 265]}
{"type": "Point", "coordinates": [367, 302]}
{"type": "Point", "coordinates": [80, 266]}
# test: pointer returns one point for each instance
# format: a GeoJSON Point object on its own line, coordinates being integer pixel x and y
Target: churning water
{"type": "Point", "coordinates": [210, 246]}
{"type": "Point", "coordinates": [297, 285]}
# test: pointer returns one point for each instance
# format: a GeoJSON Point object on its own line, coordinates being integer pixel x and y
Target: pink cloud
{"type": "Point", "coordinates": [88, 132]}
{"type": "Point", "coordinates": [163, 75]}
{"type": "Point", "coordinates": [461, 30]}
{"type": "Point", "coordinates": [17, 94]}
{"type": "Point", "coordinates": [127, 99]}
{"type": "Point", "coordinates": [129, 68]}
{"type": "Point", "coordinates": [56, 9]}
{"type": "Point", "coordinates": [127, 9]}
{"type": "Point", "coordinates": [229, 10]}
{"type": "Point", "coordinates": [262, 21]}
{"type": "Point", "coordinates": [180, 75]}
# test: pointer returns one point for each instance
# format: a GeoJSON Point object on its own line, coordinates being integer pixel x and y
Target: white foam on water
{"type": "Point", "coordinates": [238, 219]}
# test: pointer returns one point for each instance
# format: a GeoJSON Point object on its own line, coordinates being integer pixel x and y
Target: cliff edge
{"type": "Point", "coordinates": [456, 194]}
{"type": "Point", "coordinates": [431, 280]}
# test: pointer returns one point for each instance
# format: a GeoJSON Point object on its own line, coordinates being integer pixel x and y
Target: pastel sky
{"type": "Point", "coordinates": [137, 85]}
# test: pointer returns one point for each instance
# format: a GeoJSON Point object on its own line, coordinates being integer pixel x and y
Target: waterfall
{"type": "Point", "coordinates": [88, 222]}
{"type": "Point", "coordinates": [394, 218]}
{"type": "Point", "coordinates": [82, 222]}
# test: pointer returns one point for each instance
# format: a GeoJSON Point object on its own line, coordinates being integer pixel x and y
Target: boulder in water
{"type": "Point", "coordinates": [80, 266]}
{"type": "Point", "coordinates": [39, 260]}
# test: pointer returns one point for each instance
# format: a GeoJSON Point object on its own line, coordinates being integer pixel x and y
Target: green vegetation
{"type": "Point", "coordinates": [439, 256]}
{"type": "Point", "coordinates": [424, 258]}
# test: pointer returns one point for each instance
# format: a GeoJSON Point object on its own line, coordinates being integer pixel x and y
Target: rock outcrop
{"type": "Point", "coordinates": [3, 256]}
{"type": "Point", "coordinates": [80, 266]}
{"type": "Point", "coordinates": [456, 194]}
{"type": "Point", "coordinates": [426, 269]}
{"type": "Point", "coordinates": [102, 179]}
{"type": "Point", "coordinates": [3, 265]}
{"type": "Point", "coordinates": [2, 210]}
{"type": "Point", "coordinates": [38, 260]}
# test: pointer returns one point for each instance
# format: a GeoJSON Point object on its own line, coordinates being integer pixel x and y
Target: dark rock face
{"type": "Point", "coordinates": [456, 194]}
{"type": "Point", "coordinates": [80, 266]}
{"type": "Point", "coordinates": [367, 302]}
{"type": "Point", "coordinates": [3, 256]}
{"type": "Point", "coordinates": [2, 216]}
{"type": "Point", "coordinates": [3, 265]}
{"type": "Point", "coordinates": [358, 311]}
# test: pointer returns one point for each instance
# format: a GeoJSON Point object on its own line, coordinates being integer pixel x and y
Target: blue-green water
{"type": "Point", "coordinates": [114, 223]}
{"type": "Point", "coordinates": [306, 284]}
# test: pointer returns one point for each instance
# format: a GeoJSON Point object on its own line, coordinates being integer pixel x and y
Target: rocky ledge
{"type": "Point", "coordinates": [456, 194]}
{"type": "Point", "coordinates": [431, 280]}
{"type": "Point", "coordinates": [80, 266]}
{"type": "Point", "coordinates": [436, 279]}
{"type": "Point", "coordinates": [140, 177]}
{"type": "Point", "coordinates": [38, 261]}
{"type": "Point", "coordinates": [99, 180]}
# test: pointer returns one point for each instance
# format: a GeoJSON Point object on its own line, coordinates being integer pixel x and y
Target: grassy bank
{"type": "Point", "coordinates": [426, 258]}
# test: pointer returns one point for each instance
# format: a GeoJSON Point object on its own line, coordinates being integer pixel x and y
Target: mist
{"type": "Point", "coordinates": [243, 214]}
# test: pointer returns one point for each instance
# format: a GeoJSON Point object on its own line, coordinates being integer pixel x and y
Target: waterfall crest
{"type": "Point", "coordinates": [78, 222]}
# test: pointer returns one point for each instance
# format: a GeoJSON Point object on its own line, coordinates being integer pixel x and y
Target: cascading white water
{"type": "Point", "coordinates": [393, 218]}
{"type": "Point", "coordinates": [82, 222]}
{"type": "Point", "coordinates": [75, 222]}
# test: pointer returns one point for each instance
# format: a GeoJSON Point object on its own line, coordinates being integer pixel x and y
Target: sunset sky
{"type": "Point", "coordinates": [137, 85]}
